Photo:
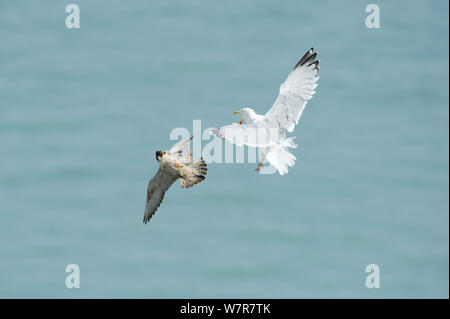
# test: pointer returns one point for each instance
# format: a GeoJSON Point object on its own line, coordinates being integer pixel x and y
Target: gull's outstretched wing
{"type": "Point", "coordinates": [177, 149]}
{"type": "Point", "coordinates": [294, 93]}
{"type": "Point", "coordinates": [156, 189]}
{"type": "Point", "coordinates": [254, 135]}
{"type": "Point", "coordinates": [285, 112]}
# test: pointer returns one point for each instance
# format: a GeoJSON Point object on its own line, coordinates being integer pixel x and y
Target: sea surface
{"type": "Point", "coordinates": [82, 112]}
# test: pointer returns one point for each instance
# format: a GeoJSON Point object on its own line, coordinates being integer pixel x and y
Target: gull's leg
{"type": "Point", "coordinates": [261, 163]}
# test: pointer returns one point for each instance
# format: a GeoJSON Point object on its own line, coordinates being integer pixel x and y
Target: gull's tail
{"type": "Point", "coordinates": [280, 157]}
{"type": "Point", "coordinates": [193, 173]}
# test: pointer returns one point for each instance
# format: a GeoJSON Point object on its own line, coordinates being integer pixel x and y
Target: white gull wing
{"type": "Point", "coordinates": [258, 134]}
{"type": "Point", "coordinates": [294, 93]}
{"type": "Point", "coordinates": [284, 114]}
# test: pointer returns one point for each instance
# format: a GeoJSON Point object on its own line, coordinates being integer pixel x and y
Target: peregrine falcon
{"type": "Point", "coordinates": [172, 165]}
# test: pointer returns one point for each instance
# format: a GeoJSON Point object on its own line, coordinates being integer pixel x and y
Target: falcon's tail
{"type": "Point", "coordinates": [280, 157]}
{"type": "Point", "coordinates": [195, 174]}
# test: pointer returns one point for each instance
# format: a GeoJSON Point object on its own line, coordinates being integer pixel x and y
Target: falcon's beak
{"type": "Point", "coordinates": [162, 153]}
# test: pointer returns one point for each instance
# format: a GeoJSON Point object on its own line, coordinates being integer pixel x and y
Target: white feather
{"type": "Point", "coordinates": [269, 130]}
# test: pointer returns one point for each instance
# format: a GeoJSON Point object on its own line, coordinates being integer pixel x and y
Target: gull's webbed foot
{"type": "Point", "coordinates": [260, 166]}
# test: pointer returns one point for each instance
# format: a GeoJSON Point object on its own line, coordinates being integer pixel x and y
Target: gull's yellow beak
{"type": "Point", "coordinates": [237, 112]}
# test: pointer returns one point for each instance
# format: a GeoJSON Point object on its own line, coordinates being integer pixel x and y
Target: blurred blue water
{"type": "Point", "coordinates": [82, 112]}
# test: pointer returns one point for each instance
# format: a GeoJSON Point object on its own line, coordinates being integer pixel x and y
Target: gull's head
{"type": "Point", "coordinates": [159, 155]}
{"type": "Point", "coordinates": [247, 114]}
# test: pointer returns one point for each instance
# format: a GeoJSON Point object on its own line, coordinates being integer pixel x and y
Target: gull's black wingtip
{"type": "Point", "coordinates": [308, 59]}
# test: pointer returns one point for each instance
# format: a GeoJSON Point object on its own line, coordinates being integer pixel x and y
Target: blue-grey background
{"type": "Point", "coordinates": [83, 111]}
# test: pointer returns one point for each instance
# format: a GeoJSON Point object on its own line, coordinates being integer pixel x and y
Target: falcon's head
{"type": "Point", "coordinates": [159, 155]}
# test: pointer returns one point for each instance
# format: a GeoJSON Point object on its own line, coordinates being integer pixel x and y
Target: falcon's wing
{"type": "Point", "coordinates": [157, 187]}
{"type": "Point", "coordinates": [295, 92]}
{"type": "Point", "coordinates": [177, 149]}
